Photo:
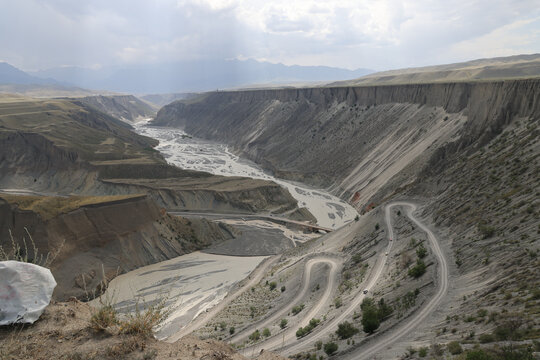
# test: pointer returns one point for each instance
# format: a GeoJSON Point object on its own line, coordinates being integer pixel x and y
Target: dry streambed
{"type": "Point", "coordinates": [191, 284]}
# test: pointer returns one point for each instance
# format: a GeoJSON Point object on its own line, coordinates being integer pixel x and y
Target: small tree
{"type": "Point", "coordinates": [256, 335]}
{"type": "Point", "coordinates": [421, 251]}
{"type": "Point", "coordinates": [330, 348]}
{"type": "Point", "coordinates": [384, 310]}
{"type": "Point", "coordinates": [370, 316]}
{"type": "Point", "coordinates": [346, 330]}
{"type": "Point", "coordinates": [418, 270]}
{"type": "Point", "coordinates": [454, 348]}
{"type": "Point", "coordinates": [296, 309]}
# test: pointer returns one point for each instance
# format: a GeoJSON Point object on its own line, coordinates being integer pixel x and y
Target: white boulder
{"type": "Point", "coordinates": [25, 291]}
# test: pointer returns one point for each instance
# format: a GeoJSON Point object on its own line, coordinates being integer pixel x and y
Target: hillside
{"type": "Point", "coordinates": [101, 190]}
{"type": "Point", "coordinates": [511, 67]}
{"type": "Point", "coordinates": [65, 331]}
{"type": "Point", "coordinates": [465, 152]}
{"type": "Point", "coordinates": [65, 146]}
{"type": "Point", "coordinates": [123, 107]}
{"type": "Point", "coordinates": [94, 239]}
{"type": "Point", "coordinates": [159, 100]}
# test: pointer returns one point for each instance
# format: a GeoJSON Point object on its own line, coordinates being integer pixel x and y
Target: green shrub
{"type": "Point", "coordinates": [318, 345]}
{"type": "Point", "coordinates": [377, 226]}
{"type": "Point", "coordinates": [337, 302]}
{"type": "Point", "coordinates": [370, 319]}
{"type": "Point", "coordinates": [482, 313]}
{"type": "Point", "coordinates": [255, 336]}
{"type": "Point", "coordinates": [272, 285]}
{"type": "Point", "coordinates": [477, 354]}
{"type": "Point", "coordinates": [283, 288]}
{"type": "Point", "coordinates": [307, 329]}
{"type": "Point", "coordinates": [266, 332]}
{"type": "Point", "coordinates": [330, 348]}
{"type": "Point", "coordinates": [231, 330]}
{"type": "Point", "coordinates": [357, 258]}
{"type": "Point", "coordinates": [418, 270]}
{"type": "Point", "coordinates": [296, 309]}
{"type": "Point", "coordinates": [422, 352]}
{"type": "Point", "coordinates": [421, 251]}
{"type": "Point", "coordinates": [454, 348]}
{"type": "Point", "coordinates": [486, 231]}
{"type": "Point", "coordinates": [486, 338]}
{"type": "Point", "coordinates": [283, 323]}
{"type": "Point", "coordinates": [346, 330]}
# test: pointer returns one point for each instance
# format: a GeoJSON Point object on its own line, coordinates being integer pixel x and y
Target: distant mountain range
{"type": "Point", "coordinates": [11, 75]}
{"type": "Point", "coordinates": [194, 76]}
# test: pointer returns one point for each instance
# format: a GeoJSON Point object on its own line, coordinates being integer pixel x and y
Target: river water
{"type": "Point", "coordinates": [186, 152]}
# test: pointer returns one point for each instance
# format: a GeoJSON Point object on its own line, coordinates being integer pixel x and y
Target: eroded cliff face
{"type": "Point", "coordinates": [123, 107]}
{"type": "Point", "coordinates": [31, 161]}
{"type": "Point", "coordinates": [103, 239]}
{"type": "Point", "coordinates": [356, 140]}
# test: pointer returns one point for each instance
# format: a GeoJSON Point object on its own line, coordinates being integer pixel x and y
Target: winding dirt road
{"type": "Point", "coordinates": [286, 343]}
{"type": "Point", "coordinates": [371, 349]}
{"type": "Point", "coordinates": [288, 336]}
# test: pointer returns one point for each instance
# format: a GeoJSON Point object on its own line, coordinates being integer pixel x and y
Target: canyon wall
{"type": "Point", "coordinates": [356, 140]}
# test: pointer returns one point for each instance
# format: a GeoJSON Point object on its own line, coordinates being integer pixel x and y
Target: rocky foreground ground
{"type": "Point", "coordinates": [65, 331]}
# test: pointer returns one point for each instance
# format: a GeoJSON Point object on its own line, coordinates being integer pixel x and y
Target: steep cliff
{"type": "Point", "coordinates": [356, 139]}
{"type": "Point", "coordinates": [124, 107]}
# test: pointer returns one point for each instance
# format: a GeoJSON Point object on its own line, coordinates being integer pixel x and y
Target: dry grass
{"type": "Point", "coordinates": [143, 322]}
{"type": "Point", "coordinates": [50, 206]}
{"type": "Point", "coordinates": [22, 254]}
{"type": "Point", "coordinates": [103, 318]}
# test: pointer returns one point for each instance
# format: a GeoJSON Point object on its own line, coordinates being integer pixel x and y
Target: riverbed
{"type": "Point", "coordinates": [189, 285]}
{"type": "Point", "coordinates": [187, 152]}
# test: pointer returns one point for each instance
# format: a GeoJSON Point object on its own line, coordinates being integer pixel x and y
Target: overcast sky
{"type": "Point", "coordinates": [375, 34]}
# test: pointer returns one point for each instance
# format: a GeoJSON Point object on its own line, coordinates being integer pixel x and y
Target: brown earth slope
{"type": "Point", "coordinates": [63, 332]}
{"type": "Point", "coordinates": [94, 239]}
{"type": "Point", "coordinates": [67, 147]}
